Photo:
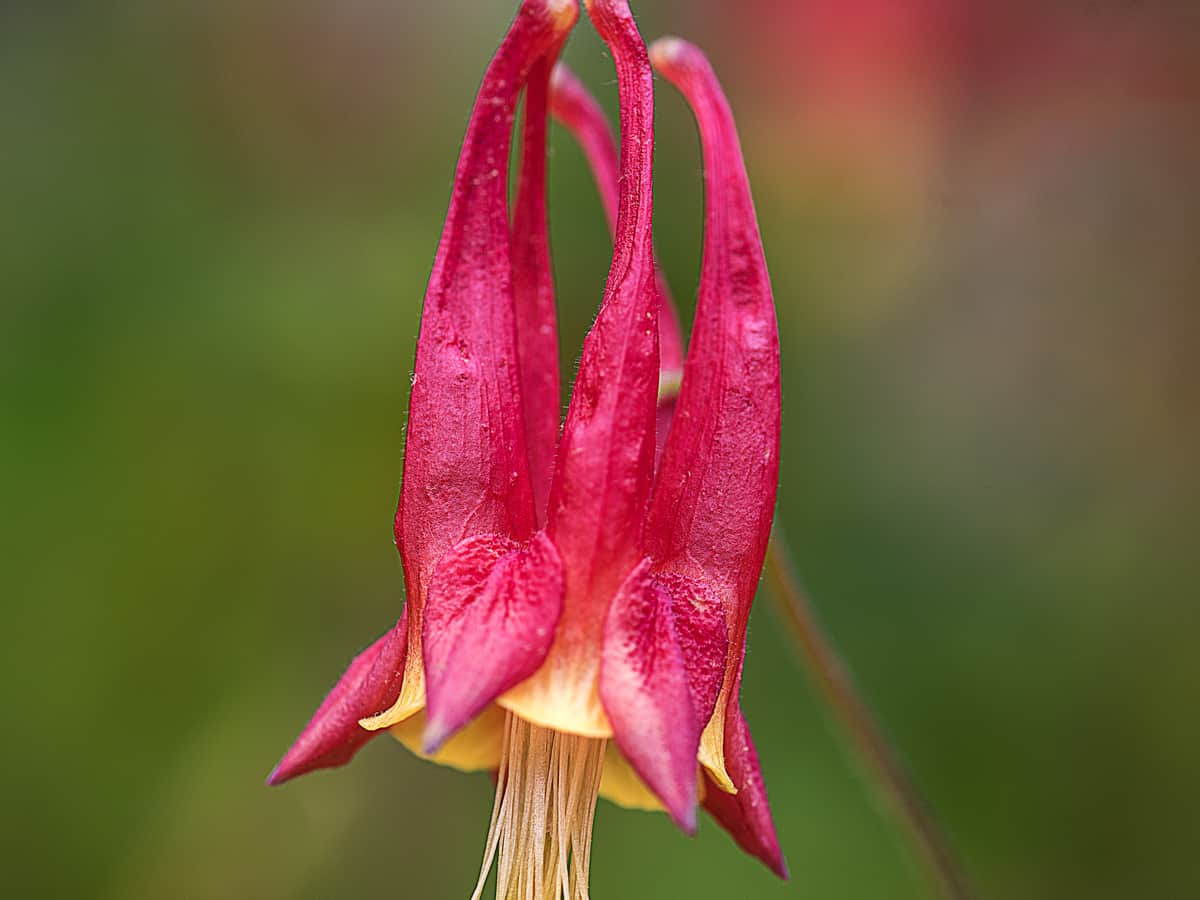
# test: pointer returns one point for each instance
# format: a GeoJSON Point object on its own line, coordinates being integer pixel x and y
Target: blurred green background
{"type": "Point", "coordinates": [982, 224]}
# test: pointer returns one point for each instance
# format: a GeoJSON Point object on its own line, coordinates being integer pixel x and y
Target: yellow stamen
{"type": "Point", "coordinates": [541, 831]}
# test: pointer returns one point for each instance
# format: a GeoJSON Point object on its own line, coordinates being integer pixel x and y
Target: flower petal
{"type": "Point", "coordinates": [664, 654]}
{"type": "Point", "coordinates": [605, 461]}
{"type": "Point", "coordinates": [621, 785]}
{"type": "Point", "coordinates": [533, 291]}
{"type": "Point", "coordinates": [703, 638]}
{"type": "Point", "coordinates": [746, 815]}
{"type": "Point", "coordinates": [333, 735]}
{"type": "Point", "coordinates": [476, 748]}
{"type": "Point", "coordinates": [490, 616]}
{"type": "Point", "coordinates": [715, 494]}
{"type": "Point", "coordinates": [644, 687]}
{"type": "Point", "coordinates": [466, 469]}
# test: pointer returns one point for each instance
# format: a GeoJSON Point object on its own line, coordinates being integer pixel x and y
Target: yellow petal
{"type": "Point", "coordinates": [410, 701]}
{"type": "Point", "coordinates": [621, 785]}
{"type": "Point", "coordinates": [712, 748]}
{"type": "Point", "coordinates": [475, 748]}
{"type": "Point", "coordinates": [563, 695]}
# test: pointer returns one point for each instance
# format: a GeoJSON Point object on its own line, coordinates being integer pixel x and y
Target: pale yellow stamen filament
{"type": "Point", "coordinates": [541, 832]}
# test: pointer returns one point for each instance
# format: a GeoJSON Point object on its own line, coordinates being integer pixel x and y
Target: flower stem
{"type": "Point", "coordinates": [836, 685]}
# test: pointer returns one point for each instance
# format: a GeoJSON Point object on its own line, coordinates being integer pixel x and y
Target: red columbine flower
{"type": "Point", "coordinates": [575, 621]}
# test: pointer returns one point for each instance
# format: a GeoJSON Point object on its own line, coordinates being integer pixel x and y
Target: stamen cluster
{"type": "Point", "coordinates": [541, 827]}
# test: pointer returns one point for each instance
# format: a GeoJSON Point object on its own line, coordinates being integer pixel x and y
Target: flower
{"type": "Point", "coordinates": [575, 617]}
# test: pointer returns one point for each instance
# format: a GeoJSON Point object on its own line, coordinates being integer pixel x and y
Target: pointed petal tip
{"type": "Point", "coordinates": [333, 736]}
{"type": "Point", "coordinates": [435, 735]}
{"type": "Point", "coordinates": [746, 815]}
{"type": "Point", "coordinates": [679, 803]}
{"type": "Point", "coordinates": [687, 821]}
{"type": "Point", "coordinates": [291, 766]}
{"type": "Point", "coordinates": [780, 868]}
{"type": "Point", "coordinates": [305, 756]}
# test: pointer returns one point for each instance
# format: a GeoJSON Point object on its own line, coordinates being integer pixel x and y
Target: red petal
{"type": "Point", "coordinates": [574, 106]}
{"type": "Point", "coordinates": [533, 291]}
{"type": "Point", "coordinates": [663, 418]}
{"type": "Point", "coordinates": [664, 659]}
{"type": "Point", "coordinates": [489, 621]}
{"type": "Point", "coordinates": [700, 630]}
{"type": "Point", "coordinates": [746, 815]}
{"type": "Point", "coordinates": [606, 456]}
{"type": "Point", "coordinates": [465, 468]}
{"type": "Point", "coordinates": [645, 689]}
{"type": "Point", "coordinates": [370, 685]}
{"type": "Point", "coordinates": [715, 494]}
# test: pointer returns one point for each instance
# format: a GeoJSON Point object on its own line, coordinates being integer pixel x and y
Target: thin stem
{"type": "Point", "coordinates": [837, 688]}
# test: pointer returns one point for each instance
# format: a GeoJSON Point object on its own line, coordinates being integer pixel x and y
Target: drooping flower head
{"type": "Point", "coordinates": [576, 613]}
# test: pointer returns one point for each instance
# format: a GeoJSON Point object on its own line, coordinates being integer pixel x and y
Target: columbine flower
{"type": "Point", "coordinates": [576, 620]}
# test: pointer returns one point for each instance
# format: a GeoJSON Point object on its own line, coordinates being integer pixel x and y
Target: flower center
{"type": "Point", "coordinates": [541, 827]}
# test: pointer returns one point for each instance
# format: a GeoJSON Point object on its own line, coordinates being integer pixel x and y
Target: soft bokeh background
{"type": "Point", "coordinates": [982, 221]}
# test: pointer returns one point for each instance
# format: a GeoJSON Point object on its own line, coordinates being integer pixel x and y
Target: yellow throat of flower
{"type": "Point", "coordinates": [541, 831]}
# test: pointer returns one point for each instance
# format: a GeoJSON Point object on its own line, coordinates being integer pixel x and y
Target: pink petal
{"type": "Point", "coordinates": [663, 417]}
{"type": "Point", "coordinates": [644, 688]}
{"type": "Point", "coordinates": [606, 455]}
{"type": "Point", "coordinates": [703, 639]}
{"type": "Point", "coordinates": [533, 291]}
{"type": "Point", "coordinates": [664, 656]}
{"type": "Point", "coordinates": [573, 105]}
{"type": "Point", "coordinates": [370, 685]}
{"type": "Point", "coordinates": [490, 616]}
{"type": "Point", "coordinates": [465, 467]}
{"type": "Point", "coordinates": [715, 494]}
{"type": "Point", "coordinates": [746, 815]}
